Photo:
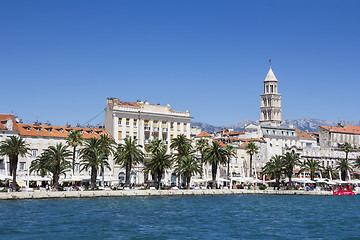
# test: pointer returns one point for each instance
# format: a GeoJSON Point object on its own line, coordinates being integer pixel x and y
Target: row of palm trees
{"type": "Point", "coordinates": [95, 153]}
{"type": "Point", "coordinates": [285, 164]}
{"type": "Point", "coordinates": [94, 157]}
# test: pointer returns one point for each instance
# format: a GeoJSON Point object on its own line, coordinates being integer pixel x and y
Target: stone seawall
{"type": "Point", "coordinates": [126, 193]}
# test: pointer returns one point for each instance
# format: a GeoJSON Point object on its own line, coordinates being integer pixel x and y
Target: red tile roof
{"type": "Point", "coordinates": [344, 129]}
{"type": "Point", "coordinates": [220, 143]}
{"type": "Point", "coordinates": [203, 134]}
{"type": "Point", "coordinates": [58, 131]}
{"type": "Point", "coordinates": [4, 118]}
{"type": "Point", "coordinates": [303, 135]}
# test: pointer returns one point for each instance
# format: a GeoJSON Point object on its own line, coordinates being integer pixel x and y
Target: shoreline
{"type": "Point", "coordinates": [129, 193]}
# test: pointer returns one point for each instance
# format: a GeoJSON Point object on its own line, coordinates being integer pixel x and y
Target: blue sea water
{"type": "Point", "coordinates": [183, 217]}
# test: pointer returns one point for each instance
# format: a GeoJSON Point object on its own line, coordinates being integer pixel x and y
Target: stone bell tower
{"type": "Point", "coordinates": [270, 109]}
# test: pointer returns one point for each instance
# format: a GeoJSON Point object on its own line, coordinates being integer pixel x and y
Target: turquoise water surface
{"type": "Point", "coordinates": [183, 217]}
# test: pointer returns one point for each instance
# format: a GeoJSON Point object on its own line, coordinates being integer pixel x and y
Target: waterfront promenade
{"type": "Point", "coordinates": [128, 193]}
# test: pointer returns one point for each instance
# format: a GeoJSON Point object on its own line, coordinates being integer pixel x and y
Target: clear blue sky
{"type": "Point", "coordinates": [59, 61]}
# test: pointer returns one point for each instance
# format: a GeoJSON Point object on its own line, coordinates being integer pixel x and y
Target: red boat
{"type": "Point", "coordinates": [344, 191]}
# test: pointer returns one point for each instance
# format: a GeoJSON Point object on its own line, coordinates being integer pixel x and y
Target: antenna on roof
{"type": "Point", "coordinates": [270, 62]}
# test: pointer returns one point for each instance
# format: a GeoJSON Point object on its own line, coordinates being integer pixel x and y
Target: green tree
{"type": "Point", "coordinates": [155, 146]}
{"type": "Point", "coordinates": [55, 159]}
{"type": "Point", "coordinates": [188, 166]}
{"type": "Point", "coordinates": [127, 154]}
{"type": "Point", "coordinates": [74, 139]}
{"type": "Point", "coordinates": [106, 146]}
{"type": "Point", "coordinates": [329, 172]}
{"type": "Point", "coordinates": [159, 162]}
{"type": "Point", "coordinates": [181, 144]}
{"type": "Point", "coordinates": [357, 162]}
{"type": "Point", "coordinates": [201, 145]}
{"type": "Point", "coordinates": [230, 152]}
{"type": "Point", "coordinates": [344, 165]}
{"type": "Point", "coordinates": [95, 159]}
{"type": "Point", "coordinates": [14, 147]}
{"type": "Point", "coordinates": [214, 155]}
{"type": "Point", "coordinates": [346, 147]}
{"type": "Point", "coordinates": [290, 160]}
{"type": "Point", "coordinates": [251, 149]}
{"type": "Point", "coordinates": [312, 166]}
{"type": "Point", "coordinates": [274, 168]}
{"type": "Point", "coordinates": [183, 147]}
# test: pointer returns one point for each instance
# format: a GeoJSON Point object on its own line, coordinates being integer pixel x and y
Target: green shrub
{"type": "Point", "coordinates": [263, 187]}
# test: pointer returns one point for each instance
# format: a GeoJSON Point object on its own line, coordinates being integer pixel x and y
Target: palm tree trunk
{"type": "Point", "coordinates": [213, 173]}
{"type": "Point", "coordinates": [289, 175]}
{"type": "Point", "coordinates": [250, 165]}
{"type": "Point", "coordinates": [73, 162]}
{"type": "Point", "coordinates": [159, 176]}
{"type": "Point", "coordinates": [188, 179]}
{"type": "Point", "coordinates": [228, 171]}
{"type": "Point", "coordinates": [128, 169]}
{"type": "Point", "coordinates": [56, 177]}
{"type": "Point", "coordinates": [93, 178]}
{"type": "Point", "coordinates": [14, 180]}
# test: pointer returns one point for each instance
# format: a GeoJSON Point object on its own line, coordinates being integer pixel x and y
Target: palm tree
{"type": "Point", "coordinates": [251, 149]}
{"type": "Point", "coordinates": [215, 155]}
{"type": "Point", "coordinates": [181, 144]}
{"type": "Point", "coordinates": [201, 145]}
{"type": "Point", "coordinates": [94, 159]}
{"type": "Point", "coordinates": [274, 168]}
{"type": "Point", "coordinates": [155, 146]}
{"type": "Point", "coordinates": [230, 152]}
{"type": "Point", "coordinates": [74, 139]}
{"type": "Point", "coordinates": [55, 160]}
{"type": "Point", "coordinates": [312, 166]}
{"type": "Point", "coordinates": [159, 162]}
{"type": "Point", "coordinates": [357, 162]}
{"type": "Point", "coordinates": [329, 172]}
{"type": "Point", "coordinates": [344, 165]}
{"type": "Point", "coordinates": [188, 166]}
{"type": "Point", "coordinates": [13, 147]}
{"type": "Point", "coordinates": [346, 147]}
{"type": "Point", "coordinates": [106, 146]}
{"type": "Point", "coordinates": [127, 154]}
{"type": "Point", "coordinates": [183, 147]}
{"type": "Point", "coordinates": [290, 160]}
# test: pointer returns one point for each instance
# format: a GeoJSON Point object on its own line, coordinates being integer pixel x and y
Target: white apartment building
{"type": "Point", "coordinates": [39, 137]}
{"type": "Point", "coordinates": [144, 121]}
{"type": "Point", "coordinates": [8, 127]}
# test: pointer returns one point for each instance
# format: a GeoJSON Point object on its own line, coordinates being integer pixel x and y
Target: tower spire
{"type": "Point", "coordinates": [270, 109]}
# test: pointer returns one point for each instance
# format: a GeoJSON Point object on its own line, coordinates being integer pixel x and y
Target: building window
{"type": "Point", "coordinates": [122, 177]}
{"type": "Point", "coordinates": [127, 122]}
{"type": "Point", "coordinates": [34, 153]}
{"type": "Point", "coordinates": [22, 166]}
{"type": "Point", "coordinates": [77, 167]}
{"type": "Point", "coordinates": [2, 164]}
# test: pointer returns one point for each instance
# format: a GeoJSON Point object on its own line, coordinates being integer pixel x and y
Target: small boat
{"type": "Point", "coordinates": [344, 191]}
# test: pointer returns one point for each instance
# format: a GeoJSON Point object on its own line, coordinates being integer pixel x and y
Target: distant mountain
{"type": "Point", "coordinates": [310, 124]}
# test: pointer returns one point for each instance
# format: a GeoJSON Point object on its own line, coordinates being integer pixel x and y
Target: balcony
{"type": "Point", "coordinates": [156, 129]}
{"type": "Point", "coordinates": [147, 128]}
{"type": "Point", "coordinates": [146, 141]}
{"type": "Point", "coordinates": [164, 129]}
